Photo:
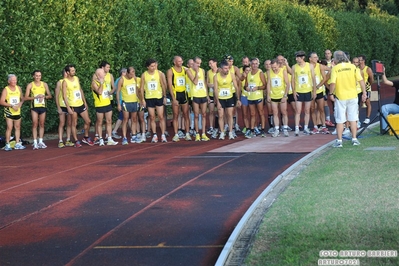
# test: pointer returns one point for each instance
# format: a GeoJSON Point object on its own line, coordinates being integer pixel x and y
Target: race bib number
{"type": "Point", "coordinates": [181, 81]}
{"type": "Point", "coordinates": [200, 85]}
{"type": "Point", "coordinates": [251, 86]}
{"type": "Point", "coordinates": [38, 101]}
{"type": "Point", "coordinates": [224, 92]}
{"type": "Point", "coordinates": [77, 95]}
{"type": "Point", "coordinates": [276, 82]}
{"type": "Point", "coordinates": [14, 100]}
{"type": "Point", "coordinates": [303, 79]}
{"type": "Point", "coordinates": [131, 89]}
{"type": "Point", "coordinates": [152, 85]}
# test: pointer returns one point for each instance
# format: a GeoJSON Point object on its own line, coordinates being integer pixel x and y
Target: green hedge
{"type": "Point", "coordinates": [47, 35]}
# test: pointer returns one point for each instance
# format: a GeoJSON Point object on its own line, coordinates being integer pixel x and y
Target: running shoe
{"type": "Point", "coordinates": [215, 134]}
{"type": "Point", "coordinates": [197, 137]}
{"type": "Point", "coordinates": [115, 135]}
{"type": "Point", "coordinates": [237, 128]}
{"type": "Point", "coordinates": [188, 137]}
{"type": "Point", "coordinates": [143, 138]}
{"type": "Point", "coordinates": [148, 134]}
{"type": "Point", "coordinates": [77, 144]}
{"type": "Point", "coordinates": [88, 141]}
{"type": "Point", "coordinates": [100, 142]}
{"type": "Point", "coordinates": [61, 144]}
{"type": "Point", "coordinates": [231, 135]}
{"type": "Point", "coordinates": [180, 134]}
{"type": "Point", "coordinates": [204, 137]}
{"type": "Point", "coordinates": [297, 132]}
{"type": "Point", "coordinates": [248, 134]}
{"type": "Point", "coordinates": [324, 130]}
{"type": "Point", "coordinates": [97, 140]}
{"type": "Point", "coordinates": [337, 144]}
{"type": "Point", "coordinates": [286, 134]}
{"type": "Point", "coordinates": [176, 138]}
{"type": "Point", "coordinates": [366, 121]}
{"type": "Point", "coordinates": [124, 141]}
{"type": "Point", "coordinates": [329, 123]}
{"type": "Point", "coordinates": [35, 146]}
{"type": "Point", "coordinates": [276, 133]}
{"type": "Point", "coordinates": [133, 139]}
{"type": "Point", "coordinates": [346, 132]}
{"type": "Point", "coordinates": [263, 133]}
{"type": "Point", "coordinates": [111, 142]}
{"type": "Point", "coordinates": [41, 145]}
{"type": "Point", "coordinates": [355, 142]}
{"type": "Point", "coordinates": [271, 130]}
{"type": "Point", "coordinates": [69, 143]}
{"type": "Point", "coordinates": [244, 130]}
{"type": "Point", "coordinates": [19, 146]}
{"type": "Point", "coordinates": [154, 138]}
{"type": "Point", "coordinates": [166, 133]}
{"type": "Point", "coordinates": [222, 135]}
{"type": "Point", "coordinates": [257, 131]}
{"type": "Point", "coordinates": [7, 147]}
{"type": "Point", "coordinates": [306, 131]}
{"type": "Point", "coordinates": [315, 131]}
{"type": "Point", "coordinates": [163, 138]}
{"type": "Point", "coordinates": [210, 131]}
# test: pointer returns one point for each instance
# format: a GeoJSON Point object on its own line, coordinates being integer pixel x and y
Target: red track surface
{"type": "Point", "coordinates": [141, 204]}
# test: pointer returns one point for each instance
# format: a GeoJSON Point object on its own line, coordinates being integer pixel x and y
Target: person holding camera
{"type": "Point", "coordinates": [390, 108]}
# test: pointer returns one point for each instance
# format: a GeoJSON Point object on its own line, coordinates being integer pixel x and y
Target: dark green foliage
{"type": "Point", "coordinates": [47, 35]}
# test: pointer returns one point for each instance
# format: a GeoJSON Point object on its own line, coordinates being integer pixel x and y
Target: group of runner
{"type": "Point", "coordinates": [191, 89]}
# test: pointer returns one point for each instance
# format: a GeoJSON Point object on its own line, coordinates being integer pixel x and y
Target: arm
{"type": "Point", "coordinates": [293, 77]}
{"type": "Point", "coordinates": [287, 84]}
{"type": "Point", "coordinates": [169, 74]}
{"type": "Point", "coordinates": [118, 94]}
{"type": "Point", "coordinates": [268, 87]}
{"type": "Point", "coordinates": [27, 92]}
{"type": "Point", "coordinates": [48, 93]}
{"type": "Point", "coordinates": [57, 93]}
{"type": "Point", "coordinates": [193, 78]}
{"type": "Point", "coordinates": [371, 76]}
{"type": "Point", "coordinates": [113, 89]}
{"type": "Point", "coordinates": [385, 80]}
{"type": "Point", "coordinates": [143, 103]}
{"type": "Point", "coordinates": [313, 81]}
{"type": "Point", "coordinates": [163, 85]}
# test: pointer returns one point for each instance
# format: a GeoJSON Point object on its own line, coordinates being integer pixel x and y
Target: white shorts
{"type": "Point", "coordinates": [346, 110]}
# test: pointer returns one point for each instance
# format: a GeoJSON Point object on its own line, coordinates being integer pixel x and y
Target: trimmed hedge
{"type": "Point", "coordinates": [47, 35]}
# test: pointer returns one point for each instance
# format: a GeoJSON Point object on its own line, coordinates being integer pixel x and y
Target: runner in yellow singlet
{"type": "Point", "coordinates": [176, 78]}
{"type": "Point", "coordinates": [76, 104]}
{"type": "Point", "coordinates": [62, 114]}
{"type": "Point", "coordinates": [38, 92]}
{"type": "Point", "coordinates": [303, 88]}
{"type": "Point", "coordinates": [277, 93]}
{"type": "Point", "coordinates": [102, 104]}
{"type": "Point", "coordinates": [318, 102]}
{"type": "Point", "coordinates": [12, 100]}
{"type": "Point", "coordinates": [213, 65]}
{"type": "Point", "coordinates": [223, 83]}
{"type": "Point", "coordinates": [153, 97]}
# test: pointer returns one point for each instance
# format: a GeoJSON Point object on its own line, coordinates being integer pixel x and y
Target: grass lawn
{"type": "Point", "coordinates": [347, 199]}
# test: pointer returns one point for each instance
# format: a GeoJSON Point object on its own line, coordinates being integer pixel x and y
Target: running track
{"type": "Point", "coordinates": [142, 204]}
